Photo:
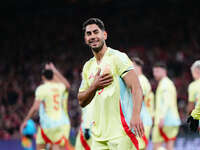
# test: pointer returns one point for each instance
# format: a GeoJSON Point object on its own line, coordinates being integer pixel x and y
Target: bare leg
{"type": "Point", "coordinates": [170, 145]}
{"type": "Point", "coordinates": [63, 148]}
{"type": "Point", "coordinates": [55, 147]}
{"type": "Point", "coordinates": [156, 146]}
{"type": "Point", "coordinates": [40, 146]}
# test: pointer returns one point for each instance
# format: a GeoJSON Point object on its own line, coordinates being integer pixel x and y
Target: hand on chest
{"type": "Point", "coordinates": [104, 67]}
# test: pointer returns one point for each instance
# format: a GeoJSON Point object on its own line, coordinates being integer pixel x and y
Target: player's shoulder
{"type": "Point", "coordinates": [59, 84]}
{"type": "Point", "coordinates": [116, 53]}
{"type": "Point", "coordinates": [62, 87]}
{"type": "Point", "coordinates": [41, 87]}
{"type": "Point", "coordinates": [88, 63]}
{"type": "Point", "coordinates": [167, 82]}
{"type": "Point", "coordinates": [194, 84]}
{"type": "Point", "coordinates": [143, 77]}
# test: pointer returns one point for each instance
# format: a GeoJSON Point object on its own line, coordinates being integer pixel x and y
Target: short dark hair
{"type": "Point", "coordinates": [96, 21]}
{"type": "Point", "coordinates": [138, 61]}
{"type": "Point", "coordinates": [48, 74]}
{"type": "Point", "coordinates": [160, 64]}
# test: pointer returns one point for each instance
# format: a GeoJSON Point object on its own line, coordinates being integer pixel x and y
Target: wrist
{"type": "Point", "coordinates": [135, 115]}
{"type": "Point", "coordinates": [26, 119]}
{"type": "Point", "coordinates": [93, 87]}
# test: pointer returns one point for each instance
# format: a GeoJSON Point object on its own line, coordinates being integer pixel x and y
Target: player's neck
{"type": "Point", "coordinates": [164, 76]}
{"type": "Point", "coordinates": [140, 73]}
{"type": "Point", "coordinates": [197, 79]}
{"type": "Point", "coordinates": [99, 55]}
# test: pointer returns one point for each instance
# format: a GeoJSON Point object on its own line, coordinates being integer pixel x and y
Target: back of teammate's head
{"type": "Point", "coordinates": [196, 65]}
{"type": "Point", "coordinates": [160, 64]}
{"type": "Point", "coordinates": [47, 73]}
{"type": "Point", "coordinates": [96, 21]}
{"type": "Point", "coordinates": [138, 61]}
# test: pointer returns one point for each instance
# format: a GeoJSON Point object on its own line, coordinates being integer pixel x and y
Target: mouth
{"type": "Point", "coordinates": [93, 43]}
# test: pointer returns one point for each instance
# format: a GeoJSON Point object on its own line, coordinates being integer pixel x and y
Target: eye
{"type": "Point", "coordinates": [96, 32]}
{"type": "Point", "coordinates": [88, 33]}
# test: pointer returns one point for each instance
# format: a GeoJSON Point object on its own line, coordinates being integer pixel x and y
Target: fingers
{"type": "Point", "coordinates": [135, 130]}
{"type": "Point", "coordinates": [105, 75]}
{"type": "Point", "coordinates": [138, 131]}
{"type": "Point", "coordinates": [138, 128]}
{"type": "Point", "coordinates": [141, 129]}
{"type": "Point", "coordinates": [106, 84]}
{"type": "Point", "coordinates": [105, 81]}
{"type": "Point", "coordinates": [106, 78]}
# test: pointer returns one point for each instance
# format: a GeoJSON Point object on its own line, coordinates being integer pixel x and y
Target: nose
{"type": "Point", "coordinates": [92, 36]}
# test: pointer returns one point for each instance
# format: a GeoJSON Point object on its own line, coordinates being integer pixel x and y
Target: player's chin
{"type": "Point", "coordinates": [156, 78]}
{"type": "Point", "coordinates": [95, 47]}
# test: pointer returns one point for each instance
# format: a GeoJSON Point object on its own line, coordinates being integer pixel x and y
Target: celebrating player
{"type": "Point", "coordinates": [194, 97]}
{"type": "Point", "coordinates": [54, 123]}
{"type": "Point", "coordinates": [148, 104]}
{"type": "Point", "coordinates": [167, 119]}
{"type": "Point", "coordinates": [111, 86]}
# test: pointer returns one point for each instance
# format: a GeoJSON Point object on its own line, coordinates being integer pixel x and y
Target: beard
{"type": "Point", "coordinates": [99, 48]}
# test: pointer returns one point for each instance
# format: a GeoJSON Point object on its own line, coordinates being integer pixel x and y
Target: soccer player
{"type": "Point", "coordinates": [167, 119]}
{"type": "Point", "coordinates": [194, 95]}
{"type": "Point", "coordinates": [84, 138]}
{"type": "Point", "coordinates": [54, 123]}
{"type": "Point", "coordinates": [110, 85]}
{"type": "Point", "coordinates": [148, 103]}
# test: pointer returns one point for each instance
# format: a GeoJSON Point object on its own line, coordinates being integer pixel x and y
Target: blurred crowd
{"type": "Point", "coordinates": [169, 34]}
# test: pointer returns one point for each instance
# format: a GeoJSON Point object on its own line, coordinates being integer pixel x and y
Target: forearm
{"type": "Point", "coordinates": [86, 97]}
{"type": "Point", "coordinates": [190, 107]}
{"type": "Point", "coordinates": [132, 82]}
{"type": "Point", "coordinates": [30, 114]}
{"type": "Point", "coordinates": [62, 79]}
{"type": "Point", "coordinates": [137, 99]}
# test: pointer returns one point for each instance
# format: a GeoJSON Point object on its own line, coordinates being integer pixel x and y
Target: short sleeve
{"type": "Point", "coordinates": [62, 87]}
{"type": "Point", "coordinates": [39, 94]}
{"type": "Point", "coordinates": [84, 83]}
{"type": "Point", "coordinates": [191, 94]}
{"type": "Point", "coordinates": [123, 64]}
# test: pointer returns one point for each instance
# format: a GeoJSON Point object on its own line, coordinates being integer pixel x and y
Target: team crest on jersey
{"type": "Point", "coordinates": [91, 76]}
